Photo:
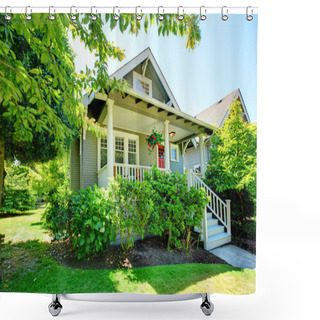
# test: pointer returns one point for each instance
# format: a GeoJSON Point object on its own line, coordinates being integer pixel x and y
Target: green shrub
{"type": "Point", "coordinates": [93, 223]}
{"type": "Point", "coordinates": [132, 205]}
{"type": "Point", "coordinates": [18, 200]}
{"type": "Point", "coordinates": [176, 210]}
{"type": "Point", "coordinates": [58, 215]}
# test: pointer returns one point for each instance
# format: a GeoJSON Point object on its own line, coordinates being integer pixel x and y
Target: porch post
{"type": "Point", "coordinates": [166, 145]}
{"type": "Point", "coordinates": [202, 156]}
{"type": "Point", "coordinates": [110, 150]}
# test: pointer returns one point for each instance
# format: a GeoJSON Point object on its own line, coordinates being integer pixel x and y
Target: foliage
{"type": "Point", "coordinates": [18, 196]}
{"type": "Point", "coordinates": [50, 176]}
{"type": "Point", "coordinates": [93, 225]}
{"type": "Point", "coordinates": [40, 92]}
{"type": "Point", "coordinates": [154, 139]}
{"type": "Point", "coordinates": [58, 215]}
{"type": "Point", "coordinates": [233, 161]}
{"type": "Point", "coordinates": [176, 209]}
{"type": "Point", "coordinates": [18, 200]}
{"type": "Point", "coordinates": [132, 208]}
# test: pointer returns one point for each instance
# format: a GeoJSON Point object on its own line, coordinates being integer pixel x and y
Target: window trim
{"type": "Point", "coordinates": [176, 147]}
{"type": "Point", "coordinates": [137, 75]}
{"type": "Point", "coordinates": [126, 137]}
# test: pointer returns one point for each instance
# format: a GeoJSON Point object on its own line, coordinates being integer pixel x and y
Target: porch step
{"type": "Point", "coordinates": [218, 240]}
{"type": "Point", "coordinates": [213, 230]}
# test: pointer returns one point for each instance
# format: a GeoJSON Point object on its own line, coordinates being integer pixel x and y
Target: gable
{"type": "Point", "coordinates": [145, 64]}
{"type": "Point", "coordinates": [219, 111]}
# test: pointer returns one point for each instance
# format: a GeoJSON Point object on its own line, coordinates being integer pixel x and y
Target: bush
{"type": "Point", "coordinates": [18, 200]}
{"type": "Point", "coordinates": [58, 215]}
{"type": "Point", "coordinates": [93, 225]}
{"type": "Point", "coordinates": [18, 196]}
{"type": "Point", "coordinates": [132, 208]}
{"type": "Point", "coordinates": [176, 210]}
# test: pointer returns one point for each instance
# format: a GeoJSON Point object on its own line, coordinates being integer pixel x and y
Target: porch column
{"type": "Point", "coordinates": [202, 155]}
{"type": "Point", "coordinates": [110, 150]}
{"type": "Point", "coordinates": [166, 145]}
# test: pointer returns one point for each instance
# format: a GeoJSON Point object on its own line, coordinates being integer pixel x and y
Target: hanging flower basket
{"type": "Point", "coordinates": [154, 139]}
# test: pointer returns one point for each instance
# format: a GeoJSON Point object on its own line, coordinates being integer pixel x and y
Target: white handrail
{"type": "Point", "coordinates": [216, 205]}
{"type": "Point", "coordinates": [132, 172]}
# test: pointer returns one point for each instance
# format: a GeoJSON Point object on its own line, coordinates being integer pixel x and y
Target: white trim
{"type": "Point", "coordinates": [126, 137]}
{"type": "Point", "coordinates": [99, 153]}
{"type": "Point", "coordinates": [176, 147]}
{"type": "Point", "coordinates": [145, 80]}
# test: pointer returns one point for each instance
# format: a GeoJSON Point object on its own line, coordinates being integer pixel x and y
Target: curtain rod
{"type": "Point", "coordinates": [128, 9]}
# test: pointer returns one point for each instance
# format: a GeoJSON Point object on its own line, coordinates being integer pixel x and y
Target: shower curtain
{"type": "Point", "coordinates": [128, 153]}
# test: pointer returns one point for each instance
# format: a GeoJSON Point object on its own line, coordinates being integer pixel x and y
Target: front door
{"type": "Point", "coordinates": [161, 157]}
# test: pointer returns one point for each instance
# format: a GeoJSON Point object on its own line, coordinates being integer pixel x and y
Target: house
{"type": "Point", "coordinates": [214, 115]}
{"type": "Point", "coordinates": [128, 118]}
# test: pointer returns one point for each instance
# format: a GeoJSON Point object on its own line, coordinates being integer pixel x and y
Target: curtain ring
{"type": "Point", "coordinates": [249, 16]}
{"type": "Point", "coordinates": [7, 15]}
{"type": "Point", "coordinates": [203, 12]}
{"type": "Point", "coordinates": [138, 16]}
{"type": "Point", "coordinates": [116, 16]}
{"type": "Point", "coordinates": [73, 16]}
{"type": "Point", "coordinates": [180, 14]}
{"type": "Point", "coordinates": [93, 17]}
{"type": "Point", "coordinates": [224, 16]}
{"type": "Point", "coordinates": [160, 15]}
{"type": "Point", "coordinates": [51, 16]}
{"type": "Point", "coordinates": [28, 14]}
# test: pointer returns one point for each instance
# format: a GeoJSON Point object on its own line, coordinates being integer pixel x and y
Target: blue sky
{"type": "Point", "coordinates": [225, 60]}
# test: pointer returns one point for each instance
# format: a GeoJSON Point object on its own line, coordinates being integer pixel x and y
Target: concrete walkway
{"type": "Point", "coordinates": [235, 256]}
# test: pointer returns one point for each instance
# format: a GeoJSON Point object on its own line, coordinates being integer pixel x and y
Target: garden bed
{"type": "Point", "coordinates": [246, 244]}
{"type": "Point", "coordinates": [144, 253]}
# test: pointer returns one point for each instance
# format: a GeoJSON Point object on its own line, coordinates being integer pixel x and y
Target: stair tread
{"type": "Point", "coordinates": [215, 226]}
{"type": "Point", "coordinates": [218, 236]}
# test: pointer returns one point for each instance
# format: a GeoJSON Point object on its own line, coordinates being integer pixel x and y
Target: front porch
{"type": "Point", "coordinates": [128, 119]}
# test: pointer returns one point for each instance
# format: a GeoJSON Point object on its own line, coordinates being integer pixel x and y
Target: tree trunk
{"type": "Point", "coordinates": [241, 203]}
{"type": "Point", "coordinates": [2, 172]}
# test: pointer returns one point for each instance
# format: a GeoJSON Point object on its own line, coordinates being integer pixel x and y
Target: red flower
{"type": "Point", "coordinates": [147, 136]}
{"type": "Point", "coordinates": [158, 143]}
{"type": "Point", "coordinates": [148, 149]}
{"type": "Point", "coordinates": [155, 138]}
{"type": "Point", "coordinates": [149, 145]}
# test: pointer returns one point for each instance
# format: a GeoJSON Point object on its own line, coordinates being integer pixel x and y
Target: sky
{"type": "Point", "coordinates": [225, 59]}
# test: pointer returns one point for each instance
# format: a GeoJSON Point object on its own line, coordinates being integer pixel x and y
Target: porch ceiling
{"type": "Point", "coordinates": [136, 112]}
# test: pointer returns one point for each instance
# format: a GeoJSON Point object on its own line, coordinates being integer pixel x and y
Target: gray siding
{"type": "Point", "coordinates": [177, 166]}
{"type": "Point", "coordinates": [75, 165]}
{"type": "Point", "coordinates": [146, 159]}
{"type": "Point", "coordinates": [89, 161]}
{"type": "Point", "coordinates": [191, 158]}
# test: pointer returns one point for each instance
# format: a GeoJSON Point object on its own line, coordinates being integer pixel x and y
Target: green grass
{"type": "Point", "coordinates": [27, 226]}
{"type": "Point", "coordinates": [45, 275]}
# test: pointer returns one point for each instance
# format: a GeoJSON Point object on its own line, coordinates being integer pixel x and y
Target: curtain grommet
{"type": "Point", "coordinates": [180, 16]}
{"type": "Point", "coordinates": [203, 13]}
{"type": "Point", "coordinates": [224, 13]}
{"type": "Point", "coordinates": [249, 16]}
{"type": "Point", "coordinates": [52, 11]}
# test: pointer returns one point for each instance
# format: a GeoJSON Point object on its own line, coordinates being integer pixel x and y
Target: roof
{"type": "Point", "coordinates": [142, 56]}
{"type": "Point", "coordinates": [218, 112]}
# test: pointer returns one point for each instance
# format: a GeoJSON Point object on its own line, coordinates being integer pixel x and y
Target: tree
{"type": "Point", "coordinates": [234, 156]}
{"type": "Point", "coordinates": [30, 93]}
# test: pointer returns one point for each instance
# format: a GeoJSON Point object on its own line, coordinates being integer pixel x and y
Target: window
{"type": "Point", "coordinates": [126, 149]}
{"type": "Point", "coordinates": [174, 151]}
{"type": "Point", "coordinates": [119, 149]}
{"type": "Point", "coordinates": [132, 151]}
{"type": "Point", "coordinates": [104, 152]}
{"type": "Point", "coordinates": [142, 84]}
{"type": "Point", "coordinates": [197, 168]}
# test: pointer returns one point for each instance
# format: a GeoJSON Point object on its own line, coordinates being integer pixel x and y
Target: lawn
{"type": "Point", "coordinates": [29, 268]}
{"type": "Point", "coordinates": [23, 227]}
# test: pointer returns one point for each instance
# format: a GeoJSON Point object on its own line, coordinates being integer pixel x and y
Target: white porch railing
{"type": "Point", "coordinates": [126, 171]}
{"type": "Point", "coordinates": [131, 172]}
{"type": "Point", "coordinates": [220, 209]}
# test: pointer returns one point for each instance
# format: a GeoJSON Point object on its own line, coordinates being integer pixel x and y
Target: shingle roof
{"type": "Point", "coordinates": [216, 113]}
